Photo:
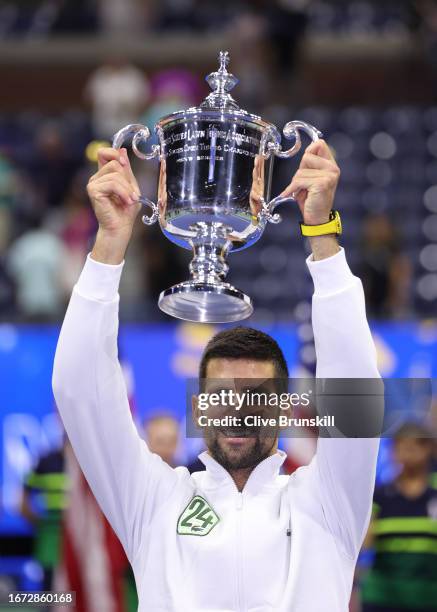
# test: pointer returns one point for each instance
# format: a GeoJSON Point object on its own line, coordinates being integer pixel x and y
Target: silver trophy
{"type": "Point", "coordinates": [216, 164]}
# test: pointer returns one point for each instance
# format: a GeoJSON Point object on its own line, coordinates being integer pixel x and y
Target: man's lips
{"type": "Point", "coordinates": [236, 442]}
{"type": "Point", "coordinates": [237, 432]}
{"type": "Point", "coordinates": [235, 437]}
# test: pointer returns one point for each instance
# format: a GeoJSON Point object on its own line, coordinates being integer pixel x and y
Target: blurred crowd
{"type": "Point", "coordinates": [46, 17]}
{"type": "Point", "coordinates": [46, 224]}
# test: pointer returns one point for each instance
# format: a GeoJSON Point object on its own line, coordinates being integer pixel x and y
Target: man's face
{"type": "Point", "coordinates": [163, 438]}
{"type": "Point", "coordinates": [230, 451]}
{"type": "Point", "coordinates": [413, 453]}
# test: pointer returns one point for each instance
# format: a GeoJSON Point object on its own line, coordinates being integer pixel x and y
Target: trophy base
{"type": "Point", "coordinates": [205, 303]}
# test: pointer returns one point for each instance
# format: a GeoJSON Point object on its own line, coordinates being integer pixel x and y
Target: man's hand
{"type": "Point", "coordinates": [114, 195]}
{"type": "Point", "coordinates": [314, 186]}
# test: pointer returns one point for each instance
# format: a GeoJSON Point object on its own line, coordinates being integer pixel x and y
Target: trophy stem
{"type": "Point", "coordinates": [205, 297]}
{"type": "Point", "coordinates": [210, 247]}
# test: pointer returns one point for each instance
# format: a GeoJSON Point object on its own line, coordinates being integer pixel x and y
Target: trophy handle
{"type": "Point", "coordinates": [291, 130]}
{"type": "Point", "coordinates": [138, 132]}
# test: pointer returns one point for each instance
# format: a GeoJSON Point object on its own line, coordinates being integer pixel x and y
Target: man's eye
{"type": "Point", "coordinates": [258, 395]}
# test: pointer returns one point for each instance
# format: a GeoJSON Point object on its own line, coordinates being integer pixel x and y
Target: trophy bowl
{"type": "Point", "coordinates": [216, 164]}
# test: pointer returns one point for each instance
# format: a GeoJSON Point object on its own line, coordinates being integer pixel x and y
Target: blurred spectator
{"type": "Point", "coordinates": [74, 16]}
{"type": "Point", "coordinates": [50, 165]}
{"type": "Point", "coordinates": [172, 90]}
{"type": "Point", "coordinates": [286, 22]}
{"type": "Point", "coordinates": [423, 21]}
{"type": "Point", "coordinates": [250, 57]}
{"type": "Point", "coordinates": [385, 270]}
{"type": "Point", "coordinates": [123, 17]}
{"type": "Point", "coordinates": [7, 287]}
{"type": "Point", "coordinates": [178, 15]}
{"type": "Point", "coordinates": [35, 262]}
{"type": "Point", "coordinates": [92, 561]}
{"type": "Point", "coordinates": [8, 183]}
{"type": "Point", "coordinates": [8, 188]}
{"type": "Point", "coordinates": [164, 264]}
{"type": "Point", "coordinates": [162, 437]}
{"type": "Point", "coordinates": [43, 500]}
{"type": "Point", "coordinates": [118, 93]}
{"type": "Point", "coordinates": [74, 223]}
{"type": "Point", "coordinates": [403, 575]}
{"type": "Point", "coordinates": [266, 36]}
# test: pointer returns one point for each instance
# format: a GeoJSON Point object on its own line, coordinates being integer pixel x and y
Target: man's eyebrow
{"type": "Point", "coordinates": [266, 385]}
{"type": "Point", "coordinates": [216, 386]}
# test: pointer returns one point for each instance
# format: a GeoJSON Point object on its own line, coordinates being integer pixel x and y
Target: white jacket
{"type": "Point", "coordinates": [247, 562]}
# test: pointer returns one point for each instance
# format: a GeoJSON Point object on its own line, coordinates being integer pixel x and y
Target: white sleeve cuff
{"type": "Point", "coordinates": [331, 275]}
{"type": "Point", "coordinates": [99, 281]}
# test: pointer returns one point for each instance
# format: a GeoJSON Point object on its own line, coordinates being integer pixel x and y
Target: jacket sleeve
{"type": "Point", "coordinates": [128, 481]}
{"type": "Point", "coordinates": [344, 467]}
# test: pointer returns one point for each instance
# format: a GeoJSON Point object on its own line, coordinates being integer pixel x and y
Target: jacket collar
{"type": "Point", "coordinates": [263, 474]}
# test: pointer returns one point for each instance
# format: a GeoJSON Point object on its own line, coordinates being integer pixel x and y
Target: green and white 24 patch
{"type": "Point", "coordinates": [198, 518]}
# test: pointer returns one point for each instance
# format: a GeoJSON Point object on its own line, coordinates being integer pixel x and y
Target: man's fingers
{"type": "Point", "coordinates": [321, 149]}
{"type": "Point", "coordinates": [313, 161]}
{"type": "Point", "coordinates": [109, 168]}
{"type": "Point", "coordinates": [301, 181]}
{"type": "Point", "coordinates": [127, 168]}
{"type": "Point", "coordinates": [116, 159]}
{"type": "Point", "coordinates": [312, 172]}
{"type": "Point", "coordinates": [111, 171]}
{"type": "Point", "coordinates": [112, 187]}
{"type": "Point", "coordinates": [107, 154]}
{"type": "Point", "coordinates": [113, 184]}
{"type": "Point", "coordinates": [114, 166]}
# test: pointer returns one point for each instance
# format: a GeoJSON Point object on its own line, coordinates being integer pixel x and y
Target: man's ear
{"type": "Point", "coordinates": [286, 411]}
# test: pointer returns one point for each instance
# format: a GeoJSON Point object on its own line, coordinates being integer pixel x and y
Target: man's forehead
{"type": "Point", "coordinates": [223, 367]}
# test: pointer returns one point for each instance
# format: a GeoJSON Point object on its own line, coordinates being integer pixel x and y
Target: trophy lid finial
{"type": "Point", "coordinates": [221, 83]}
{"type": "Point", "coordinates": [224, 60]}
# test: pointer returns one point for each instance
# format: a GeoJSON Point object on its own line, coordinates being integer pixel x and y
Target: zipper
{"type": "Point", "coordinates": [239, 507]}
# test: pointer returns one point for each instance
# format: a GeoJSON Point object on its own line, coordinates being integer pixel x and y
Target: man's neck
{"type": "Point", "coordinates": [240, 477]}
{"type": "Point", "coordinates": [413, 484]}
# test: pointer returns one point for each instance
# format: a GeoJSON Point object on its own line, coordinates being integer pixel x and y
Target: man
{"type": "Point", "coordinates": [237, 536]}
{"type": "Point", "coordinates": [162, 436]}
{"type": "Point", "coordinates": [403, 575]}
{"type": "Point", "coordinates": [117, 92]}
{"type": "Point", "coordinates": [49, 482]}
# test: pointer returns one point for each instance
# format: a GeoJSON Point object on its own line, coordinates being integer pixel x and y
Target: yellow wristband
{"type": "Point", "coordinates": [333, 226]}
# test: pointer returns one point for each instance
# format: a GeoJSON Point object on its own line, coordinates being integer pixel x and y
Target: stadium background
{"type": "Point", "coordinates": [363, 72]}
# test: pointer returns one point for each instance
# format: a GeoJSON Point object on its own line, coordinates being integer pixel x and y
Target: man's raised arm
{"type": "Point", "coordinates": [343, 470]}
{"type": "Point", "coordinates": [128, 481]}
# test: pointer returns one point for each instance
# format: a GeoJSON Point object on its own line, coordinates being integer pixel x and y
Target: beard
{"type": "Point", "coordinates": [248, 456]}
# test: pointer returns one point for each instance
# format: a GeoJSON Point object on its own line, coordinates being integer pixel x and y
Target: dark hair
{"type": "Point", "coordinates": [411, 429]}
{"type": "Point", "coordinates": [244, 343]}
